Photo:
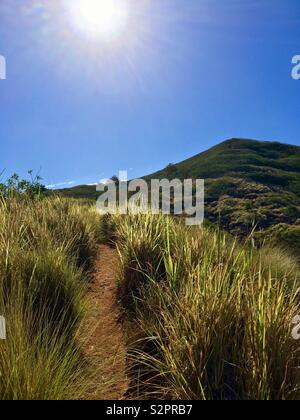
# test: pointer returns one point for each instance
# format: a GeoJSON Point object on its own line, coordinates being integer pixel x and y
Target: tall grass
{"type": "Point", "coordinates": [214, 315]}
{"type": "Point", "coordinates": [46, 247]}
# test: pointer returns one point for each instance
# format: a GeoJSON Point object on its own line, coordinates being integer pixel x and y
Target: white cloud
{"type": "Point", "coordinates": [61, 185]}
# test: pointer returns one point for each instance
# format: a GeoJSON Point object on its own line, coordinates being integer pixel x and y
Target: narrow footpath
{"type": "Point", "coordinates": [106, 344]}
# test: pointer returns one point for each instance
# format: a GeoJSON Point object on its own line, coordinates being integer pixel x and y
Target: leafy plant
{"type": "Point", "coordinates": [16, 186]}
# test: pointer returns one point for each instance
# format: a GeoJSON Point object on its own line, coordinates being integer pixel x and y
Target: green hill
{"type": "Point", "coordinates": [248, 183]}
{"type": "Point", "coordinates": [268, 163]}
{"type": "Point", "coordinates": [86, 192]}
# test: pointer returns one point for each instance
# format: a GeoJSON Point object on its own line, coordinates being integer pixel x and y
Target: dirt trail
{"type": "Point", "coordinates": [106, 343]}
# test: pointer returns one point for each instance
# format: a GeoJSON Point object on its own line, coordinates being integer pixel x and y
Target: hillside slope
{"type": "Point", "coordinates": [248, 183]}
{"type": "Point", "coordinates": [268, 163]}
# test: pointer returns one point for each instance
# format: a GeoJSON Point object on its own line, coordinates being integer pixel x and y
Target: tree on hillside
{"type": "Point", "coordinates": [115, 179]}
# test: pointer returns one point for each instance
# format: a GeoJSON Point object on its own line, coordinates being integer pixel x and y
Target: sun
{"type": "Point", "coordinates": [105, 19]}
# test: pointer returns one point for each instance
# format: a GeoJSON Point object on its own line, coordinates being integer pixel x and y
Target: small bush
{"type": "Point", "coordinates": [16, 186]}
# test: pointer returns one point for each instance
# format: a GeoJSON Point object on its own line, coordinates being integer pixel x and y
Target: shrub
{"type": "Point", "coordinates": [15, 186]}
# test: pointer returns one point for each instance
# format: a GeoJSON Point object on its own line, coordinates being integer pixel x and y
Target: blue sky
{"type": "Point", "coordinates": [185, 75]}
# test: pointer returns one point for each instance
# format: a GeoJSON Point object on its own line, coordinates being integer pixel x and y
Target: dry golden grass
{"type": "Point", "coordinates": [214, 316]}
{"type": "Point", "coordinates": [46, 247]}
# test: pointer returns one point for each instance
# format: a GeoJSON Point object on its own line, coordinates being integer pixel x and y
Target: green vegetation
{"type": "Point", "coordinates": [213, 317]}
{"type": "Point", "coordinates": [46, 247]}
{"type": "Point", "coordinates": [286, 237]}
{"type": "Point", "coordinates": [16, 186]}
{"type": "Point", "coordinates": [248, 184]}
{"type": "Point", "coordinates": [209, 314]}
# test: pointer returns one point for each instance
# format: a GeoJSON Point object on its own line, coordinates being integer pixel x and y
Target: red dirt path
{"type": "Point", "coordinates": [106, 343]}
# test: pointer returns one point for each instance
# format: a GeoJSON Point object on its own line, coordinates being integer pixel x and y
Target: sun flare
{"type": "Point", "coordinates": [105, 19]}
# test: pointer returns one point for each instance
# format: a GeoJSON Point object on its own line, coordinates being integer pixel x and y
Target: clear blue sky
{"type": "Point", "coordinates": [186, 75]}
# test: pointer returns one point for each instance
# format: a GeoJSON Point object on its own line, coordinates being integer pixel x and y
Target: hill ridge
{"type": "Point", "coordinates": [248, 183]}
